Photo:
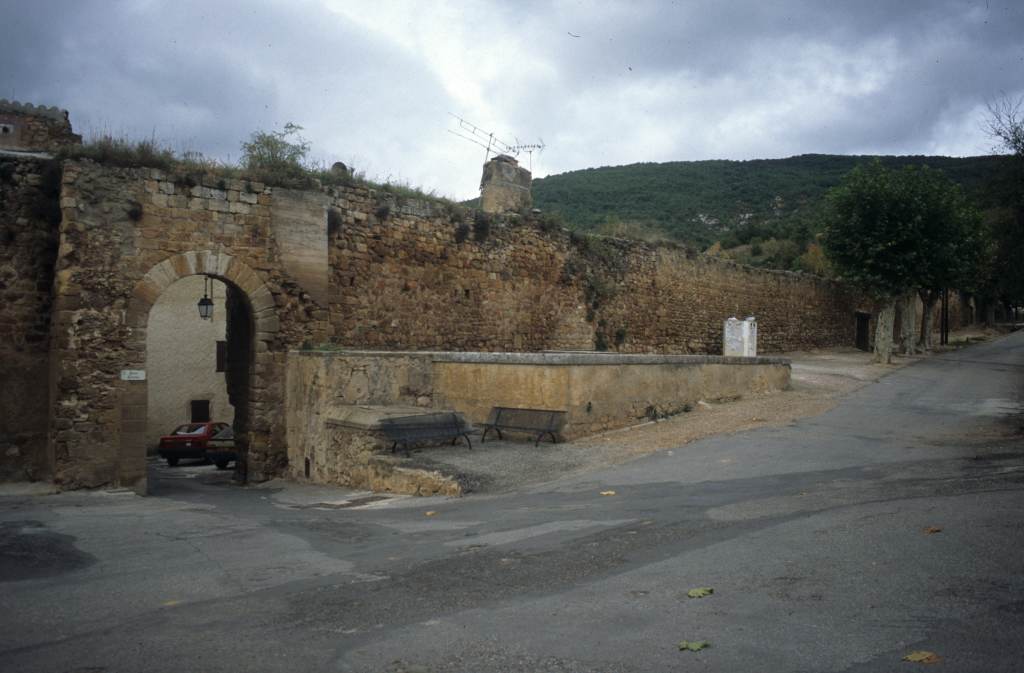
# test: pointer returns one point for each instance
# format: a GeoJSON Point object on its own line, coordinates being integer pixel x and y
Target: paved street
{"type": "Point", "coordinates": [843, 542]}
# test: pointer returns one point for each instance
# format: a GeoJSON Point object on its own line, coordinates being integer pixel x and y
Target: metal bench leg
{"type": "Point", "coordinates": [469, 443]}
{"type": "Point", "coordinates": [536, 442]}
{"type": "Point", "coordinates": [483, 437]}
{"type": "Point", "coordinates": [394, 446]}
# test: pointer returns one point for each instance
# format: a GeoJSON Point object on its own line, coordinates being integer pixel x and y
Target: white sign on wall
{"type": "Point", "coordinates": [133, 374]}
{"type": "Point", "coordinates": [739, 337]}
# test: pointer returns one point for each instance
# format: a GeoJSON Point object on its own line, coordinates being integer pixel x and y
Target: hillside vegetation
{"type": "Point", "coordinates": [765, 212]}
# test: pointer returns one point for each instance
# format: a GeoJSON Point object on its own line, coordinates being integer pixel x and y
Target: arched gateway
{"type": "Point", "coordinates": [127, 234]}
{"type": "Point", "coordinates": [252, 327]}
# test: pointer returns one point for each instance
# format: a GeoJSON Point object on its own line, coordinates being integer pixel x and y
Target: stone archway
{"type": "Point", "coordinates": [262, 332]}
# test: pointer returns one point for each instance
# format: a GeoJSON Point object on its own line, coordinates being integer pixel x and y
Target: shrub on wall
{"type": "Point", "coordinates": [481, 226]}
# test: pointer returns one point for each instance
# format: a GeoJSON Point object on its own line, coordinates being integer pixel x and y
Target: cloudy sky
{"type": "Point", "coordinates": [601, 83]}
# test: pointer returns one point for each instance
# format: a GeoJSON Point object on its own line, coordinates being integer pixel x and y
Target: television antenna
{"type": "Point", "coordinates": [491, 143]}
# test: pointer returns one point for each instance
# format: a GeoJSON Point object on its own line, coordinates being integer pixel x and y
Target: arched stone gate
{"type": "Point", "coordinates": [126, 234]}
{"type": "Point", "coordinates": [135, 392]}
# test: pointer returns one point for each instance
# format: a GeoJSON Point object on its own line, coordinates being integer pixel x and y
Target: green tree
{"type": "Point", "coordinates": [279, 153]}
{"type": "Point", "coordinates": [894, 232]}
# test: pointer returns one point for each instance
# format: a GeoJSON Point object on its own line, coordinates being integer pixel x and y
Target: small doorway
{"type": "Point", "coordinates": [200, 411]}
{"type": "Point", "coordinates": [863, 331]}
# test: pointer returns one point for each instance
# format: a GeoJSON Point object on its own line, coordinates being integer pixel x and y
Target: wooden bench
{"type": "Point", "coordinates": [539, 421]}
{"type": "Point", "coordinates": [425, 427]}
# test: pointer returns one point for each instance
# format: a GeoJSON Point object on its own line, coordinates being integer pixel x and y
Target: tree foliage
{"type": "Point", "coordinates": [736, 203]}
{"type": "Point", "coordinates": [892, 231]}
{"type": "Point", "coordinates": [276, 152]}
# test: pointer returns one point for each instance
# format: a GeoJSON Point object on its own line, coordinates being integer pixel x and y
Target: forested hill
{"type": "Point", "coordinates": [735, 202]}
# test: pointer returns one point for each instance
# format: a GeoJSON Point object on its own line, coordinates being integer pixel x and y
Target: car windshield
{"type": "Point", "coordinates": [225, 433]}
{"type": "Point", "coordinates": [190, 429]}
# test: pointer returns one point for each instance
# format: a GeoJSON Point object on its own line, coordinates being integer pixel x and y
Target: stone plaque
{"type": "Point", "coordinates": [732, 337]}
{"type": "Point", "coordinates": [133, 374]}
{"type": "Point", "coordinates": [739, 337]}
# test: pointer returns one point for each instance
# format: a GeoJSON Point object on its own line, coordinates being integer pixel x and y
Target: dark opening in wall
{"type": "Point", "coordinates": [222, 356]}
{"type": "Point", "coordinates": [200, 411]}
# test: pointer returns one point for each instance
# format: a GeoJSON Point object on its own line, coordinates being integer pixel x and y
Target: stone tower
{"type": "Point", "coordinates": [33, 128]}
{"type": "Point", "coordinates": [505, 186]}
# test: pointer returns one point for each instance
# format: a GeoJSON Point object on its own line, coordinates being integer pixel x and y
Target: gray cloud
{"type": "Point", "coordinates": [643, 82]}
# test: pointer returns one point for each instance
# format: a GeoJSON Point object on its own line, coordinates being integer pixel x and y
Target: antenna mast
{"type": "Point", "coordinates": [491, 143]}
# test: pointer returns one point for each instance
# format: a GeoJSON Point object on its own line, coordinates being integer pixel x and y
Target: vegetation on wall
{"type": "Point", "coordinates": [276, 158]}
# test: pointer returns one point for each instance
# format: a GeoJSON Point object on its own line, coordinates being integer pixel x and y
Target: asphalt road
{"type": "Point", "coordinates": [814, 537]}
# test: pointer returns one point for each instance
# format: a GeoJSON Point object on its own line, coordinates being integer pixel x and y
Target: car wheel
{"type": "Point", "coordinates": [221, 464]}
{"type": "Point", "coordinates": [171, 462]}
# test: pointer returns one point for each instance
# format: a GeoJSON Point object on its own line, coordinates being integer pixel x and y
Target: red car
{"type": "Point", "coordinates": [188, 441]}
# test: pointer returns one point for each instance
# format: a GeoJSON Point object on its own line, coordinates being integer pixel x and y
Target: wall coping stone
{"type": "Point", "coordinates": [556, 358]}
{"type": "Point", "coordinates": [25, 154]}
{"type": "Point", "coordinates": [369, 416]}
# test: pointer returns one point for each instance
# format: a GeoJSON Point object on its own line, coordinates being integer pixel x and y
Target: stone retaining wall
{"type": "Point", "coordinates": [326, 390]}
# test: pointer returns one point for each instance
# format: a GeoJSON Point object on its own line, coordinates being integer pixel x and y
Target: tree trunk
{"type": "Point", "coordinates": [883, 333]}
{"type": "Point", "coordinates": [928, 298]}
{"type": "Point", "coordinates": [908, 323]}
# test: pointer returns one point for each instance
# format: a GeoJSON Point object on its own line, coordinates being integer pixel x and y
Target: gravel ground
{"type": "Point", "coordinates": [819, 379]}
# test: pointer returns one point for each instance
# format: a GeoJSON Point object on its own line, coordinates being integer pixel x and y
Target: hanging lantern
{"type": "Point", "coordinates": [205, 304]}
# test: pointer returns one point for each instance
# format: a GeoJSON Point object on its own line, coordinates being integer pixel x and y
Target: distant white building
{"type": "Point", "coordinates": [185, 360]}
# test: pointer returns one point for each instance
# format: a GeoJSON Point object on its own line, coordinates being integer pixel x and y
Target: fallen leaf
{"type": "Point", "coordinates": [170, 603]}
{"type": "Point", "coordinates": [930, 530]}
{"type": "Point", "coordinates": [922, 657]}
{"type": "Point", "coordinates": [430, 513]}
{"type": "Point", "coordinates": [693, 645]}
{"type": "Point", "coordinates": [700, 592]}
{"type": "Point", "coordinates": [607, 492]}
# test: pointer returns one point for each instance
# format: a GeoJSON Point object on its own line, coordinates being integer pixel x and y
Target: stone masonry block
{"type": "Point", "coordinates": [148, 292]}
{"type": "Point", "coordinates": [209, 263]}
{"type": "Point", "coordinates": [268, 324]}
{"type": "Point", "coordinates": [183, 265]}
{"type": "Point", "coordinates": [224, 262]}
{"type": "Point", "coordinates": [261, 299]}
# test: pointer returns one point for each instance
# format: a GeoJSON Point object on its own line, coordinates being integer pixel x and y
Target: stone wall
{"type": "Point", "coordinates": [415, 276]}
{"type": "Point", "coordinates": [598, 391]}
{"type": "Point", "coordinates": [35, 128]}
{"type": "Point", "coordinates": [349, 265]}
{"type": "Point", "coordinates": [29, 189]}
{"type": "Point", "coordinates": [335, 400]}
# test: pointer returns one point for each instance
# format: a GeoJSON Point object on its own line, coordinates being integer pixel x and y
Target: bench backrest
{"type": "Point", "coordinates": [401, 426]}
{"type": "Point", "coordinates": [545, 420]}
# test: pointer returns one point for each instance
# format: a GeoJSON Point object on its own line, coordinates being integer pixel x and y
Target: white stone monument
{"type": "Point", "coordinates": [739, 337]}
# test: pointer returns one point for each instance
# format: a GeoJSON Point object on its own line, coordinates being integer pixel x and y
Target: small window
{"type": "Point", "coordinates": [200, 411]}
{"type": "Point", "coordinates": [6, 129]}
{"type": "Point", "coordinates": [222, 356]}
